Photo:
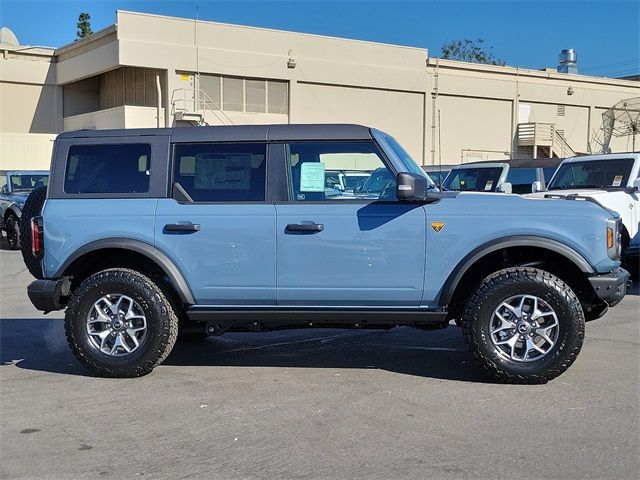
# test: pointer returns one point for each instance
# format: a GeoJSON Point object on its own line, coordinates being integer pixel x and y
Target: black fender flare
{"type": "Point", "coordinates": [152, 253]}
{"type": "Point", "coordinates": [445, 295]}
{"type": "Point", "coordinates": [15, 209]}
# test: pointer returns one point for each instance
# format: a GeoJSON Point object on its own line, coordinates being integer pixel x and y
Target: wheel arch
{"type": "Point", "coordinates": [12, 209]}
{"type": "Point", "coordinates": [105, 252]}
{"type": "Point", "coordinates": [502, 244]}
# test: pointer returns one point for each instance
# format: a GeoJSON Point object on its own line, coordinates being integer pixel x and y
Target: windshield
{"type": "Point", "coordinates": [611, 173]}
{"type": "Point", "coordinates": [27, 182]}
{"type": "Point", "coordinates": [473, 179]}
{"type": "Point", "coordinates": [401, 154]}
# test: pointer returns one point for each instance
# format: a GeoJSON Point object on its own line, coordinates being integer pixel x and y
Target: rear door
{"type": "Point", "coordinates": [357, 249]}
{"type": "Point", "coordinates": [219, 229]}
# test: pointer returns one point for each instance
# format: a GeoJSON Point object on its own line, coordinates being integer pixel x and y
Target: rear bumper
{"type": "Point", "coordinates": [48, 295]}
{"type": "Point", "coordinates": [611, 287]}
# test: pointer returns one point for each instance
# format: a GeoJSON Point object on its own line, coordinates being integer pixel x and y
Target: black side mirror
{"type": "Point", "coordinates": [411, 187]}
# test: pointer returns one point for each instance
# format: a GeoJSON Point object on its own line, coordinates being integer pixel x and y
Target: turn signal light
{"type": "Point", "coordinates": [610, 237]}
{"type": "Point", "coordinates": [36, 237]}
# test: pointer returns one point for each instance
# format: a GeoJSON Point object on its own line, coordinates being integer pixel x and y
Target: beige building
{"type": "Point", "coordinates": [148, 71]}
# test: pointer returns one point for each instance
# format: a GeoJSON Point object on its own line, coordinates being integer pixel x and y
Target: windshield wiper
{"type": "Point", "coordinates": [576, 187]}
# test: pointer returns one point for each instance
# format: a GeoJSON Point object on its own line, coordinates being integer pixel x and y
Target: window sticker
{"type": "Point", "coordinates": [488, 186]}
{"type": "Point", "coordinates": [617, 180]}
{"type": "Point", "coordinates": [312, 177]}
{"type": "Point", "coordinates": [225, 171]}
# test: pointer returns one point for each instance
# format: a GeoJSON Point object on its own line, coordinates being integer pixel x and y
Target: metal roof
{"type": "Point", "coordinates": [230, 133]}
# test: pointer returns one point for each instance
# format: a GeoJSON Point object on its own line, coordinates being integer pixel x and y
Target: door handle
{"type": "Point", "coordinates": [184, 227]}
{"type": "Point", "coordinates": [304, 228]}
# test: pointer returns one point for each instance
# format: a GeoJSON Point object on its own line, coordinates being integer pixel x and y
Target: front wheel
{"type": "Point", "coordinates": [120, 324]}
{"type": "Point", "coordinates": [13, 232]}
{"type": "Point", "coordinates": [524, 325]}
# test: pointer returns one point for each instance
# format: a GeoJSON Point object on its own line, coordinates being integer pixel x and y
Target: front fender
{"type": "Point", "coordinates": [461, 268]}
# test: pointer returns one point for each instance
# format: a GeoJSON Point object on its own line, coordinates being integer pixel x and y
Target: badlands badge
{"type": "Point", "coordinates": [437, 226]}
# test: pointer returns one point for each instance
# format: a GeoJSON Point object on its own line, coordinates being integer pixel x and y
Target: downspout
{"type": "Point", "coordinates": [434, 96]}
{"type": "Point", "coordinates": [159, 99]}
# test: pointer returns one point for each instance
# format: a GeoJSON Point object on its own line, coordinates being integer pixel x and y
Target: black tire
{"type": "Point", "coordinates": [510, 282]}
{"type": "Point", "coordinates": [12, 226]}
{"type": "Point", "coordinates": [162, 323]}
{"type": "Point", "coordinates": [32, 208]}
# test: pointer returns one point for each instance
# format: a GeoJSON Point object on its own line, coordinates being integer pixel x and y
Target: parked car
{"type": "Point", "coordinates": [508, 176]}
{"type": "Point", "coordinates": [438, 172]}
{"type": "Point", "coordinates": [613, 181]}
{"type": "Point", "coordinates": [15, 186]}
{"type": "Point", "coordinates": [145, 232]}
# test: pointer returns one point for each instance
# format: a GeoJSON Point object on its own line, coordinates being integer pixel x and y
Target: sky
{"type": "Point", "coordinates": [530, 34]}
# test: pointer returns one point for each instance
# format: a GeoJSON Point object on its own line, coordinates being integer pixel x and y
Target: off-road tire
{"type": "Point", "coordinates": [32, 208]}
{"type": "Point", "coordinates": [503, 284]}
{"type": "Point", "coordinates": [12, 226]}
{"type": "Point", "coordinates": [162, 323]}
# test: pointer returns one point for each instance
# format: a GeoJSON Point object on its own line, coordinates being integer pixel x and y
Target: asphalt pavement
{"type": "Point", "coordinates": [325, 404]}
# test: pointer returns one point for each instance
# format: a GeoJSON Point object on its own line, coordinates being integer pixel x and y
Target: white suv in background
{"type": "Point", "coordinates": [613, 181]}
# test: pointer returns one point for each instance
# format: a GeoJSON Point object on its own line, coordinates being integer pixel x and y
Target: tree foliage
{"type": "Point", "coordinates": [84, 25]}
{"type": "Point", "coordinates": [469, 51]}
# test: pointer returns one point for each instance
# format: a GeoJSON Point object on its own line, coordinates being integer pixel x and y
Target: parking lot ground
{"type": "Point", "coordinates": [314, 404]}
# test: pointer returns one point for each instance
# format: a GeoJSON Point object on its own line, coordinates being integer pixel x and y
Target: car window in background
{"type": "Point", "coordinates": [473, 179]}
{"type": "Point", "coordinates": [521, 179]}
{"type": "Point", "coordinates": [548, 173]}
{"type": "Point", "coordinates": [352, 181]}
{"type": "Point", "coordinates": [611, 173]}
{"type": "Point", "coordinates": [28, 182]}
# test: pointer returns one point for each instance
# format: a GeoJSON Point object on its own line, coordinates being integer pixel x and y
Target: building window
{"type": "Point", "coordinates": [561, 109]}
{"type": "Point", "coordinates": [233, 94]}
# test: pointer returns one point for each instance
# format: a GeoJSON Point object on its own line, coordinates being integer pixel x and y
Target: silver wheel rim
{"type": "Point", "coordinates": [116, 325]}
{"type": "Point", "coordinates": [524, 328]}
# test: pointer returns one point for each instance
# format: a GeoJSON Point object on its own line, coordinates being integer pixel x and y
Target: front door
{"type": "Point", "coordinates": [337, 246]}
{"type": "Point", "coordinates": [218, 229]}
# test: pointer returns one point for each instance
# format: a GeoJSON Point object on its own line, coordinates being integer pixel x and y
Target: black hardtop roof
{"type": "Point", "coordinates": [231, 133]}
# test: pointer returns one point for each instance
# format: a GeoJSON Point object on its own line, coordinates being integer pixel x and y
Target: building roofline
{"type": "Point", "coordinates": [531, 72]}
{"type": "Point", "coordinates": [87, 40]}
{"type": "Point", "coordinates": [274, 30]}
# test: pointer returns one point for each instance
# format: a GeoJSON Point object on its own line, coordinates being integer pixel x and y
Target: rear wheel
{"type": "Point", "coordinates": [524, 325]}
{"type": "Point", "coordinates": [13, 232]}
{"type": "Point", "coordinates": [120, 324]}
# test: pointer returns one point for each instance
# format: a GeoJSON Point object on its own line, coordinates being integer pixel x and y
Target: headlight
{"type": "Point", "coordinates": [614, 238]}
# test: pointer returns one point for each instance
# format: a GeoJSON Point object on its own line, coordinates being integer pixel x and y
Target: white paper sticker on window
{"type": "Point", "coordinates": [222, 172]}
{"type": "Point", "coordinates": [312, 177]}
{"type": "Point", "coordinates": [488, 186]}
{"type": "Point", "coordinates": [617, 180]}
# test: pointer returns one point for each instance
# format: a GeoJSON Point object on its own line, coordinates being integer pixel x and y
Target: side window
{"type": "Point", "coordinates": [3, 182]}
{"type": "Point", "coordinates": [521, 179]}
{"type": "Point", "coordinates": [337, 171]}
{"type": "Point", "coordinates": [123, 168]}
{"type": "Point", "coordinates": [219, 172]}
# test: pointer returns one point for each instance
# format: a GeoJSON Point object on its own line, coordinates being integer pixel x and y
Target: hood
{"type": "Point", "coordinates": [18, 197]}
{"type": "Point", "coordinates": [585, 192]}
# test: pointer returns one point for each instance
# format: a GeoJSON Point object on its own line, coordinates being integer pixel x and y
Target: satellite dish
{"type": "Point", "coordinates": [7, 37]}
{"type": "Point", "coordinates": [621, 120]}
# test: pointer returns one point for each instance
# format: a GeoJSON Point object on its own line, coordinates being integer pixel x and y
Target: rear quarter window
{"type": "Point", "coordinates": [111, 168]}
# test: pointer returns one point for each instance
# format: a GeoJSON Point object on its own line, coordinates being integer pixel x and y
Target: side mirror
{"type": "Point", "coordinates": [636, 183]}
{"type": "Point", "coordinates": [5, 189]}
{"type": "Point", "coordinates": [411, 187]}
{"type": "Point", "coordinates": [536, 187]}
{"type": "Point", "coordinates": [505, 187]}
{"type": "Point", "coordinates": [339, 187]}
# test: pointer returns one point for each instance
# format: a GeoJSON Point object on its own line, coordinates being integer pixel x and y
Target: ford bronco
{"type": "Point", "coordinates": [15, 186]}
{"type": "Point", "coordinates": [145, 232]}
{"type": "Point", "coordinates": [613, 180]}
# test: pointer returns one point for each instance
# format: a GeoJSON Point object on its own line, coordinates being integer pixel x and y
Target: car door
{"type": "Point", "coordinates": [358, 249]}
{"type": "Point", "coordinates": [219, 229]}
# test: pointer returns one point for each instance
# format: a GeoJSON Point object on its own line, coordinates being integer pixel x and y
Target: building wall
{"type": "Point", "coordinates": [436, 108]}
{"type": "Point", "coordinates": [30, 106]}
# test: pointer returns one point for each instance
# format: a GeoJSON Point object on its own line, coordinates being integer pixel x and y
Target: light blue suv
{"type": "Point", "coordinates": [147, 232]}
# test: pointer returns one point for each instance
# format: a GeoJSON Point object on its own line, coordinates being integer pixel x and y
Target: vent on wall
{"type": "Point", "coordinates": [561, 109]}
